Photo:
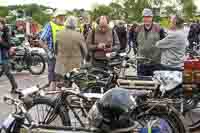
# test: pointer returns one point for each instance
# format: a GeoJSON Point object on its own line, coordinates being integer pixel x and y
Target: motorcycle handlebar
{"type": "Point", "coordinates": [19, 104]}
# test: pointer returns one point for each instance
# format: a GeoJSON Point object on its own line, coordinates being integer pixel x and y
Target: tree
{"type": "Point", "coordinates": [189, 8]}
{"type": "Point", "coordinates": [100, 10]}
{"type": "Point", "coordinates": [4, 11]}
{"type": "Point", "coordinates": [134, 8]}
{"type": "Point", "coordinates": [37, 13]}
{"type": "Point", "coordinates": [170, 10]}
{"type": "Point", "coordinates": [117, 11]}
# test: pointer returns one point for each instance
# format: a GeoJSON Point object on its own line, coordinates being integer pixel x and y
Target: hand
{"type": "Point", "coordinates": [108, 46]}
{"type": "Point", "coordinates": [12, 50]}
{"type": "Point", "coordinates": [1, 39]}
{"type": "Point", "coordinates": [101, 45]}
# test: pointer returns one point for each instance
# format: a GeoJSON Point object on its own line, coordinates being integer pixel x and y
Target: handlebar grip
{"type": "Point", "coordinates": [6, 98]}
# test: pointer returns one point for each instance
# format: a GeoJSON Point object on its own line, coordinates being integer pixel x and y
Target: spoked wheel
{"type": "Point", "coordinates": [156, 124]}
{"type": "Point", "coordinates": [192, 118]}
{"type": "Point", "coordinates": [37, 65]}
{"type": "Point", "coordinates": [45, 111]}
{"type": "Point", "coordinates": [79, 111]}
{"type": "Point", "coordinates": [160, 120]}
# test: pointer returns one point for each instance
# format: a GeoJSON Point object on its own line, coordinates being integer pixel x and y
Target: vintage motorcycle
{"type": "Point", "coordinates": [23, 58]}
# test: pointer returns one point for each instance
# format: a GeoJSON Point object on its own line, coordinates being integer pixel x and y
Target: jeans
{"type": "Point", "coordinates": [147, 69]}
{"type": "Point", "coordinates": [6, 71]}
{"type": "Point", "coordinates": [51, 69]}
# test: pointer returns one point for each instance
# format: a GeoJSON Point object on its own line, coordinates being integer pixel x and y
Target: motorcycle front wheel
{"type": "Point", "coordinates": [37, 64]}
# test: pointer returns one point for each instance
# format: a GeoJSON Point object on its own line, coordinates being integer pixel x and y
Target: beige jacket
{"type": "Point", "coordinates": [69, 46]}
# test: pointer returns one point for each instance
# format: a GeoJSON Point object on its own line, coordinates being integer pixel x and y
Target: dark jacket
{"type": "Point", "coordinates": [122, 35]}
{"type": "Point", "coordinates": [5, 43]}
{"type": "Point", "coordinates": [132, 36]}
{"type": "Point", "coordinates": [194, 32]}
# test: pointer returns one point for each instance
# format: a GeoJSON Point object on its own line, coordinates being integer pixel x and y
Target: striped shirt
{"type": "Point", "coordinates": [47, 35]}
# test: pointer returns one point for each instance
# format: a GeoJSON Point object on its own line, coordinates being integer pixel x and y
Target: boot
{"type": "Point", "coordinates": [52, 86]}
{"type": "Point", "coordinates": [6, 70]}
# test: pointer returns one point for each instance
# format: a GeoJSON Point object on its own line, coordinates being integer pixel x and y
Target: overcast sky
{"type": "Point", "coordinates": [65, 4]}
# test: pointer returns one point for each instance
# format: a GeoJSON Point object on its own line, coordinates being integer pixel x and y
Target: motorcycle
{"type": "Point", "coordinates": [23, 58]}
{"type": "Point", "coordinates": [116, 111]}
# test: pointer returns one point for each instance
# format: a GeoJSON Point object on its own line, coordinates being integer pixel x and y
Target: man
{"type": "Point", "coordinates": [193, 36]}
{"type": "Point", "coordinates": [5, 46]}
{"type": "Point", "coordinates": [100, 40]}
{"type": "Point", "coordinates": [86, 29]}
{"type": "Point", "coordinates": [173, 47]}
{"type": "Point", "coordinates": [132, 37]}
{"type": "Point", "coordinates": [147, 36]}
{"type": "Point", "coordinates": [48, 41]}
{"type": "Point", "coordinates": [71, 48]}
{"type": "Point", "coordinates": [122, 35]}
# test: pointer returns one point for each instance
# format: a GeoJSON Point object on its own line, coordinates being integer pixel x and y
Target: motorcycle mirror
{"type": "Point", "coordinates": [123, 54]}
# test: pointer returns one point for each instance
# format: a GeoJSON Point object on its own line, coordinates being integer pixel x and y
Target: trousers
{"type": "Point", "coordinates": [51, 69]}
{"type": "Point", "coordinates": [6, 70]}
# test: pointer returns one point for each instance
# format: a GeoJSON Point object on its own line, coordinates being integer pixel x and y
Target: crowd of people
{"type": "Point", "coordinates": [70, 48]}
{"type": "Point", "coordinates": [67, 48]}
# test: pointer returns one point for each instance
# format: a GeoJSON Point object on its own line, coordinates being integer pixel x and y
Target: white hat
{"type": "Point", "coordinates": [147, 12]}
{"type": "Point", "coordinates": [59, 13]}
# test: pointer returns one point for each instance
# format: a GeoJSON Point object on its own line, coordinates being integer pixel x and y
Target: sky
{"type": "Point", "coordinates": [62, 4]}
{"type": "Point", "coordinates": [66, 4]}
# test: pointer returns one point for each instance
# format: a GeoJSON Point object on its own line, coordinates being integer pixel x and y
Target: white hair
{"type": "Point", "coordinates": [71, 22]}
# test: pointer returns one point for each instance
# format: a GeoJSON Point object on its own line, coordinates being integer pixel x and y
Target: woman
{"type": "Point", "coordinates": [4, 48]}
{"type": "Point", "coordinates": [173, 46]}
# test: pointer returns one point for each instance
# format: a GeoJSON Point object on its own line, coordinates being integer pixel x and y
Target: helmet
{"type": "Point", "coordinates": [147, 12]}
{"type": "Point", "coordinates": [115, 102]}
{"type": "Point", "coordinates": [59, 13]}
{"type": "Point", "coordinates": [108, 113]}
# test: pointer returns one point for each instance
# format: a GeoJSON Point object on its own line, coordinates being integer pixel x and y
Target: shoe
{"type": "Point", "coordinates": [13, 91]}
{"type": "Point", "coordinates": [52, 86]}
